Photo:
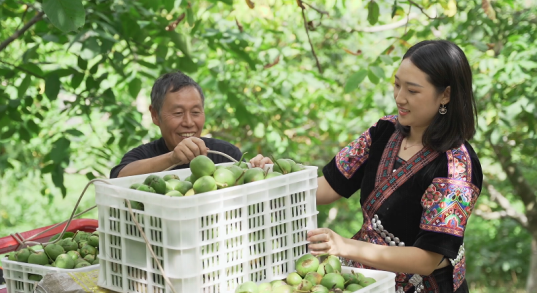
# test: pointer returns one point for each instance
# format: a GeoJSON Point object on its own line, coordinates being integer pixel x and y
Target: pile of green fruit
{"type": "Point", "coordinates": [73, 251]}
{"type": "Point", "coordinates": [313, 274]}
{"type": "Point", "coordinates": [207, 177]}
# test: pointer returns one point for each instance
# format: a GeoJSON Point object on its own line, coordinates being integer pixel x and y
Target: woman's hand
{"type": "Point", "coordinates": [260, 161]}
{"type": "Point", "coordinates": [324, 240]}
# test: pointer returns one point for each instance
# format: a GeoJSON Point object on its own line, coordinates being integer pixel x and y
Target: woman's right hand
{"type": "Point", "coordinates": [260, 161]}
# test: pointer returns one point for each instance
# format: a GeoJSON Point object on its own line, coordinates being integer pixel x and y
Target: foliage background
{"type": "Point", "coordinates": [74, 93]}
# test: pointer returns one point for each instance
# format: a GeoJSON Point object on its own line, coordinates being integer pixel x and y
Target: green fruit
{"type": "Point", "coordinates": [367, 281]}
{"type": "Point", "coordinates": [82, 264]}
{"type": "Point", "coordinates": [333, 280]}
{"type": "Point", "coordinates": [135, 185]}
{"type": "Point", "coordinates": [89, 258]}
{"type": "Point", "coordinates": [81, 235]}
{"type": "Point", "coordinates": [12, 256]}
{"type": "Point", "coordinates": [79, 260]}
{"type": "Point", "coordinates": [353, 287]}
{"type": "Point", "coordinates": [95, 262]}
{"type": "Point", "coordinates": [293, 279]}
{"type": "Point", "coordinates": [204, 184]}
{"type": "Point", "coordinates": [65, 235]}
{"type": "Point", "coordinates": [39, 258]}
{"type": "Point", "coordinates": [23, 254]}
{"type": "Point", "coordinates": [157, 183]}
{"type": "Point", "coordinates": [64, 261]}
{"type": "Point", "coordinates": [314, 278]}
{"type": "Point", "coordinates": [53, 250]}
{"type": "Point", "coordinates": [68, 244]}
{"type": "Point", "coordinates": [297, 167]}
{"type": "Point", "coordinates": [174, 193]}
{"type": "Point", "coordinates": [202, 166]}
{"type": "Point", "coordinates": [82, 243]}
{"type": "Point", "coordinates": [74, 254]}
{"type": "Point", "coordinates": [273, 174]}
{"type": "Point", "coordinates": [334, 262]}
{"type": "Point", "coordinates": [147, 188]}
{"type": "Point", "coordinates": [190, 192]}
{"type": "Point", "coordinates": [254, 174]}
{"type": "Point", "coordinates": [291, 163]}
{"type": "Point", "coordinates": [242, 165]}
{"type": "Point", "coordinates": [325, 268]}
{"type": "Point", "coordinates": [183, 187]}
{"type": "Point", "coordinates": [94, 241]}
{"type": "Point", "coordinates": [87, 249]}
{"type": "Point", "coordinates": [304, 286]}
{"type": "Point", "coordinates": [224, 178]}
{"type": "Point", "coordinates": [192, 178]}
{"type": "Point", "coordinates": [277, 283]}
{"type": "Point", "coordinates": [264, 288]}
{"type": "Point", "coordinates": [171, 184]}
{"type": "Point", "coordinates": [306, 264]}
{"type": "Point", "coordinates": [170, 177]}
{"type": "Point", "coordinates": [319, 289]}
{"type": "Point", "coordinates": [282, 166]}
{"type": "Point", "coordinates": [136, 205]}
{"type": "Point", "coordinates": [283, 289]}
{"type": "Point", "coordinates": [248, 287]}
{"type": "Point", "coordinates": [34, 277]}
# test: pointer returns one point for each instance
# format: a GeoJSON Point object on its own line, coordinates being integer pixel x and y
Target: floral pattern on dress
{"type": "Point", "coordinates": [351, 157]}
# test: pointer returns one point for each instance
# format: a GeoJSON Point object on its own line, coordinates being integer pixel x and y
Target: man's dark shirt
{"type": "Point", "coordinates": [158, 147]}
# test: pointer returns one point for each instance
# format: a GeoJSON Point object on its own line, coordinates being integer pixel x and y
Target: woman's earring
{"type": "Point", "coordinates": [442, 110]}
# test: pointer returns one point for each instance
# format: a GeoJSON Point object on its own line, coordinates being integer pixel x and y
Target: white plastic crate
{"type": "Point", "coordinates": [385, 280]}
{"type": "Point", "coordinates": [208, 242]}
{"type": "Point", "coordinates": [17, 274]}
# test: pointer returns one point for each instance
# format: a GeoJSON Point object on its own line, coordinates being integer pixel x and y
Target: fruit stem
{"type": "Point", "coordinates": [239, 178]}
{"type": "Point", "coordinates": [276, 162]}
{"type": "Point", "coordinates": [221, 185]}
{"type": "Point", "coordinates": [239, 161]}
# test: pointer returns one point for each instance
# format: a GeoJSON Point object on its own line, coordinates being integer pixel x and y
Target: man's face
{"type": "Point", "coordinates": [181, 116]}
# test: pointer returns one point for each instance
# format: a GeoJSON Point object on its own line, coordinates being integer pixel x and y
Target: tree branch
{"type": "Point", "coordinates": [508, 210]}
{"type": "Point", "coordinates": [18, 33]}
{"type": "Point", "coordinates": [309, 39]}
{"type": "Point", "coordinates": [423, 10]}
{"type": "Point", "coordinates": [316, 9]}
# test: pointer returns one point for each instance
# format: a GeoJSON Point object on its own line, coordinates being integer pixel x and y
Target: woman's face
{"type": "Point", "coordinates": [417, 99]}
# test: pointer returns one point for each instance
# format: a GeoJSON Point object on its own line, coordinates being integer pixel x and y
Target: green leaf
{"type": "Point", "coordinates": [190, 16]}
{"type": "Point", "coordinates": [60, 150]}
{"type": "Point", "coordinates": [82, 64]}
{"type": "Point", "coordinates": [135, 86]}
{"type": "Point", "coordinates": [23, 87]}
{"type": "Point", "coordinates": [66, 15]}
{"type": "Point", "coordinates": [386, 59]}
{"type": "Point", "coordinates": [187, 65]}
{"type": "Point", "coordinates": [74, 132]}
{"type": "Point", "coordinates": [378, 71]}
{"type": "Point", "coordinates": [372, 12]}
{"type": "Point", "coordinates": [354, 80]}
{"type": "Point", "coordinates": [57, 178]}
{"type": "Point", "coordinates": [32, 68]}
{"type": "Point", "coordinates": [30, 54]}
{"type": "Point", "coordinates": [77, 80]}
{"type": "Point", "coordinates": [181, 42]}
{"type": "Point", "coordinates": [33, 127]}
{"type": "Point", "coordinates": [24, 134]}
{"type": "Point", "coordinates": [48, 168]}
{"type": "Point", "coordinates": [372, 77]}
{"type": "Point", "coordinates": [52, 86]}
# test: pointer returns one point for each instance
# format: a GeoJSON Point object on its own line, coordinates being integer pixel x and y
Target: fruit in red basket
{"type": "Point", "coordinates": [64, 261]}
{"type": "Point", "coordinates": [74, 254]}
{"type": "Point", "coordinates": [367, 281]}
{"type": "Point", "coordinates": [307, 263]}
{"type": "Point", "coordinates": [254, 174]}
{"type": "Point", "coordinates": [293, 279]}
{"type": "Point", "coordinates": [224, 178]}
{"type": "Point", "coordinates": [333, 280]}
{"type": "Point", "coordinates": [171, 176]}
{"type": "Point", "coordinates": [319, 289]}
{"type": "Point", "coordinates": [204, 184]}
{"type": "Point", "coordinates": [39, 258]}
{"type": "Point", "coordinates": [314, 278]}
{"type": "Point", "coordinates": [23, 254]}
{"type": "Point", "coordinates": [247, 287]}
{"type": "Point", "coordinates": [334, 262]}
{"type": "Point", "coordinates": [87, 249]}
{"type": "Point", "coordinates": [283, 289]}
{"type": "Point", "coordinates": [157, 183]}
{"type": "Point", "coordinates": [53, 250]}
{"type": "Point", "coordinates": [135, 185]}
{"type": "Point", "coordinates": [174, 193]}
{"type": "Point", "coordinates": [94, 241]}
{"type": "Point", "coordinates": [82, 264]}
{"type": "Point", "coordinates": [353, 287]}
{"type": "Point", "coordinates": [324, 269]}
{"type": "Point", "coordinates": [34, 277]}
{"type": "Point", "coordinates": [202, 166]}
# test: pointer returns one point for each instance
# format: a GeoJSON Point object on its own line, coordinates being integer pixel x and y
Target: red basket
{"type": "Point", "coordinates": [9, 243]}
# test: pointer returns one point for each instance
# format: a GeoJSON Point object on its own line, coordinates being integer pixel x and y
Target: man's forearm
{"type": "Point", "coordinates": [145, 166]}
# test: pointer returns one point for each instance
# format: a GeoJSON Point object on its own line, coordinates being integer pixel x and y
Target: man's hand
{"type": "Point", "coordinates": [187, 150]}
{"type": "Point", "coordinates": [260, 161]}
{"type": "Point", "coordinates": [324, 240]}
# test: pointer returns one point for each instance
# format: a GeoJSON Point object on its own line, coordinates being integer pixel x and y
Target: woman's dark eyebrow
{"type": "Point", "coordinates": [410, 83]}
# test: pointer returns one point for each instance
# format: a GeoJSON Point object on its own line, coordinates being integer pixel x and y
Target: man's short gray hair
{"type": "Point", "coordinates": [171, 82]}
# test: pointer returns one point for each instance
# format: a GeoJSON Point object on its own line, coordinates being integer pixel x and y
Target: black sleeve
{"type": "Point", "coordinates": [136, 154]}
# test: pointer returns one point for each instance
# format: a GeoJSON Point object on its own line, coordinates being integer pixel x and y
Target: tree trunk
{"type": "Point", "coordinates": [531, 284]}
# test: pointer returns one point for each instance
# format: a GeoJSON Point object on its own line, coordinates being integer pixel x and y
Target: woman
{"type": "Point", "coordinates": [418, 175]}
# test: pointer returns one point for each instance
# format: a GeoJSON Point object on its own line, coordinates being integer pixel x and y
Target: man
{"type": "Point", "coordinates": [177, 108]}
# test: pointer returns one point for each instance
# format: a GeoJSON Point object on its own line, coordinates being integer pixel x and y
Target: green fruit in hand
{"type": "Point", "coordinates": [325, 268]}
{"type": "Point", "coordinates": [367, 281]}
{"type": "Point", "coordinates": [319, 289]}
{"type": "Point", "coordinates": [157, 183]}
{"type": "Point", "coordinates": [53, 250]}
{"type": "Point", "coordinates": [248, 287]}
{"type": "Point", "coordinates": [273, 174]}
{"type": "Point", "coordinates": [174, 193]}
{"type": "Point", "coordinates": [282, 166]}
{"type": "Point", "coordinates": [39, 258]}
{"type": "Point", "coordinates": [94, 241]}
{"type": "Point", "coordinates": [306, 264]}
{"type": "Point", "coordinates": [204, 184]}
{"type": "Point", "coordinates": [23, 254]}
{"type": "Point", "coordinates": [34, 277]}
{"type": "Point", "coordinates": [353, 287]}
{"type": "Point", "coordinates": [135, 185]}
{"type": "Point", "coordinates": [294, 279]}
{"type": "Point", "coordinates": [82, 264]}
{"type": "Point", "coordinates": [74, 254]}
{"type": "Point", "coordinates": [64, 261]}
{"type": "Point", "coordinates": [333, 280]}
{"type": "Point", "coordinates": [224, 178]}
{"type": "Point", "coordinates": [314, 278]}
{"type": "Point", "coordinates": [334, 262]}
{"type": "Point", "coordinates": [170, 177]}
{"type": "Point", "coordinates": [202, 166]}
{"type": "Point", "coordinates": [87, 249]}
{"type": "Point", "coordinates": [254, 174]}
